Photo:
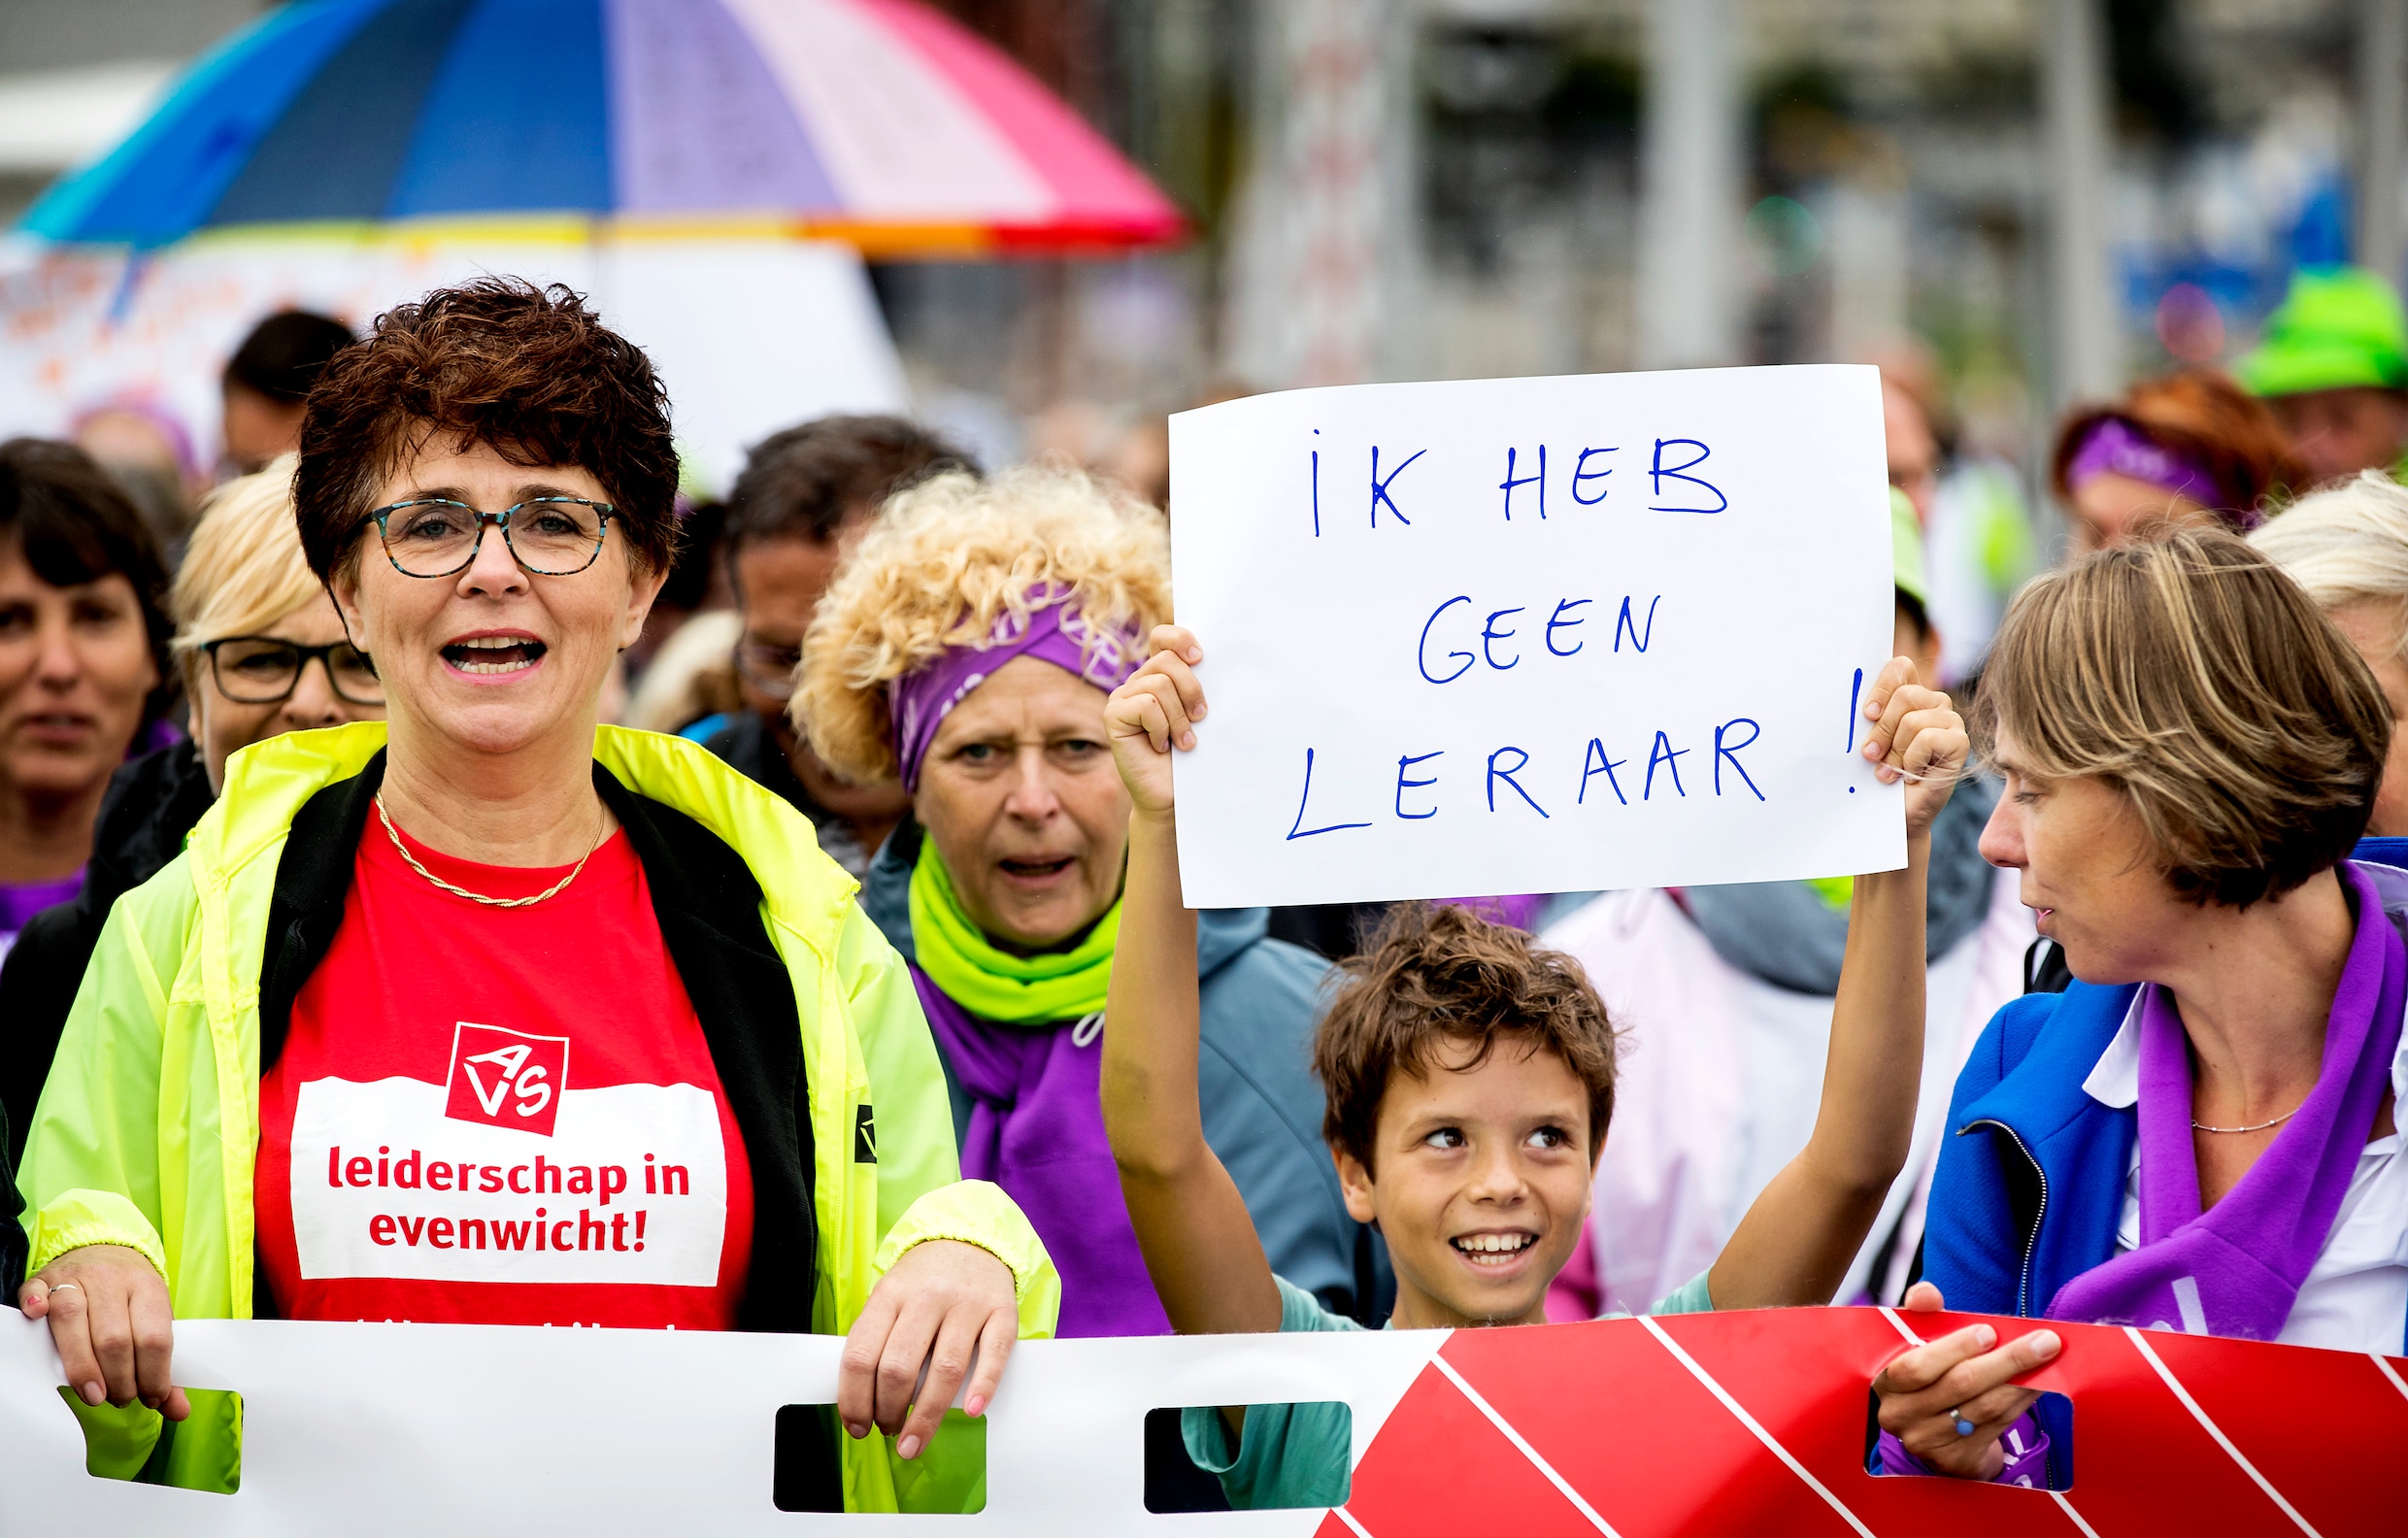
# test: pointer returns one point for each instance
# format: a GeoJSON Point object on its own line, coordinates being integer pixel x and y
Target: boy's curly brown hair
{"type": "Point", "coordinates": [530, 371]}
{"type": "Point", "coordinates": [1438, 975]}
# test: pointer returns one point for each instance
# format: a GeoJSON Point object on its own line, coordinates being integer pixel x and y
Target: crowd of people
{"type": "Point", "coordinates": [452, 878]}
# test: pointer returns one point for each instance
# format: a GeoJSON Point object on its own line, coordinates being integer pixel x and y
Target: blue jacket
{"type": "Point", "coordinates": [2380, 851]}
{"type": "Point", "coordinates": [1260, 999]}
{"type": "Point", "coordinates": [2027, 1194]}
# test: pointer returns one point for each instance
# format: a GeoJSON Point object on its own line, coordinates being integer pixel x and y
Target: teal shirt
{"type": "Point", "coordinates": [1294, 1456]}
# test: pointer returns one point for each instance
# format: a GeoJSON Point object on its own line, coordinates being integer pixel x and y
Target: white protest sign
{"type": "Point", "coordinates": [1534, 635]}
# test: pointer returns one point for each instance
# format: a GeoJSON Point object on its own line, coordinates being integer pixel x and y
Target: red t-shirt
{"type": "Point", "coordinates": [500, 1116]}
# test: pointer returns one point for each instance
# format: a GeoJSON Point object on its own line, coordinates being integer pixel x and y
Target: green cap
{"type": "Point", "coordinates": [2338, 327]}
{"type": "Point", "coordinates": [1906, 549]}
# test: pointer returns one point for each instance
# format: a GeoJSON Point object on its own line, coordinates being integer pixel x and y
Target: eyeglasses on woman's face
{"type": "Point", "coordinates": [554, 536]}
{"type": "Point", "coordinates": [770, 669]}
{"type": "Point", "coordinates": [263, 670]}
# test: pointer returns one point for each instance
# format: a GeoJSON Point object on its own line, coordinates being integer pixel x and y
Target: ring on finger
{"type": "Point", "coordinates": [65, 1287]}
{"type": "Point", "coordinates": [1964, 1427]}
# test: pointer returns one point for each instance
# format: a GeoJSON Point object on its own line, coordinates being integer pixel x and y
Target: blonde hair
{"type": "Point", "coordinates": [2196, 679]}
{"type": "Point", "coordinates": [942, 562]}
{"type": "Point", "coordinates": [2347, 545]}
{"type": "Point", "coordinates": [244, 570]}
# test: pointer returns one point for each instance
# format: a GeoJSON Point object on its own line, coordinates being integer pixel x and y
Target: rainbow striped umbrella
{"type": "Point", "coordinates": [878, 122]}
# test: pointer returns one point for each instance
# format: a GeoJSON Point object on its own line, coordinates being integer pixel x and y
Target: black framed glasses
{"type": "Point", "coordinates": [554, 536]}
{"type": "Point", "coordinates": [768, 668]}
{"type": "Point", "coordinates": [263, 670]}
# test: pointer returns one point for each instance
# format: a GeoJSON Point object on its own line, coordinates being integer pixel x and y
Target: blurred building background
{"type": "Point", "coordinates": [2050, 195]}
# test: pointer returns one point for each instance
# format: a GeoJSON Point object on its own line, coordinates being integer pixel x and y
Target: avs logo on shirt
{"type": "Point", "coordinates": [507, 1077]}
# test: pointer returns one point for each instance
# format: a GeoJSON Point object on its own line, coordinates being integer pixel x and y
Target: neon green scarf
{"type": "Point", "coordinates": [994, 984]}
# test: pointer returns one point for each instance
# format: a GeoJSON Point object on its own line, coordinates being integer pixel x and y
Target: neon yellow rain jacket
{"type": "Point", "coordinates": [148, 1128]}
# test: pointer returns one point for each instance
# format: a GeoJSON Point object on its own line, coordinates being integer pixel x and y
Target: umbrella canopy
{"type": "Point", "coordinates": [878, 122]}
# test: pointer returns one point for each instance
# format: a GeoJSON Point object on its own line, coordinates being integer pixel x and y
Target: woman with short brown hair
{"type": "Point", "coordinates": [2199, 1133]}
{"type": "Point", "coordinates": [497, 1015]}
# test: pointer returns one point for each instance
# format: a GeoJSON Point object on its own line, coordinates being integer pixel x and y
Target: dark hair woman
{"type": "Point", "coordinates": [553, 1023]}
{"type": "Point", "coordinates": [83, 660]}
{"type": "Point", "coordinates": [2200, 1133]}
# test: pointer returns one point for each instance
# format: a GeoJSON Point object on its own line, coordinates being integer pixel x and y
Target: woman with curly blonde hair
{"type": "Point", "coordinates": [965, 651]}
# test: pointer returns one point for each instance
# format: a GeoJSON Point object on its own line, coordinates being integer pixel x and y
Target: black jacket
{"type": "Point", "coordinates": [13, 1244]}
{"type": "Point", "coordinates": [151, 805]}
{"type": "Point", "coordinates": [747, 746]}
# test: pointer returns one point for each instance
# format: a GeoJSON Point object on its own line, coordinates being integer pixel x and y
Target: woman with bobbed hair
{"type": "Point", "coordinates": [2191, 449]}
{"type": "Point", "coordinates": [2347, 546]}
{"type": "Point", "coordinates": [964, 652]}
{"type": "Point", "coordinates": [2199, 1133]}
{"type": "Point", "coordinates": [83, 664]}
{"type": "Point", "coordinates": [252, 619]}
{"type": "Point", "coordinates": [490, 1014]}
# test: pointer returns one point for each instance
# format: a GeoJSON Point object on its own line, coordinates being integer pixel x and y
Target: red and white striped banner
{"type": "Point", "coordinates": [1755, 1422]}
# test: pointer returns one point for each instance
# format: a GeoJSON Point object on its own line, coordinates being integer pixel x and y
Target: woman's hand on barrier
{"type": "Point", "coordinates": [1917, 736]}
{"type": "Point", "coordinates": [945, 1307]}
{"type": "Point", "coordinates": [1156, 710]}
{"type": "Point", "coordinates": [1929, 1395]}
{"type": "Point", "coordinates": [112, 1324]}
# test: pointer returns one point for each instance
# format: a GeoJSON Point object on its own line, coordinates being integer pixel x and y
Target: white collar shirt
{"type": "Point", "coordinates": [2355, 1296]}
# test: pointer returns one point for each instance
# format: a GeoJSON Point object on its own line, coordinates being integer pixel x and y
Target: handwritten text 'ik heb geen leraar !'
{"type": "Point", "coordinates": [1534, 635]}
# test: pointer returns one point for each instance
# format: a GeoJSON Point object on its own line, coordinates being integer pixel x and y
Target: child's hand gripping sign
{"type": "Point", "coordinates": [1535, 635]}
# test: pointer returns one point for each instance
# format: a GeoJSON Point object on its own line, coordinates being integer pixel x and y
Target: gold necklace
{"type": "Point", "coordinates": [2201, 1126]}
{"type": "Point", "coordinates": [553, 890]}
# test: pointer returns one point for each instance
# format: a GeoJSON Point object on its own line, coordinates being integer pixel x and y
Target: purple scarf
{"type": "Point", "coordinates": [19, 903]}
{"type": "Point", "coordinates": [1054, 630]}
{"type": "Point", "coordinates": [1037, 1130]}
{"type": "Point", "coordinates": [2237, 1270]}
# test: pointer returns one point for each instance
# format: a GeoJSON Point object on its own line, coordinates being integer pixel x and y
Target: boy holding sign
{"type": "Point", "coordinates": [1470, 1079]}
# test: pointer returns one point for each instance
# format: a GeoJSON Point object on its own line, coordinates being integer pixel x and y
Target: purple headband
{"type": "Point", "coordinates": [2113, 448]}
{"type": "Point", "coordinates": [1055, 631]}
